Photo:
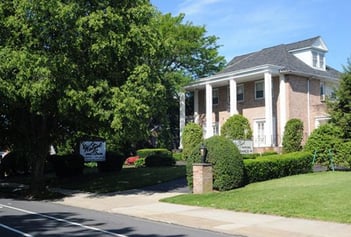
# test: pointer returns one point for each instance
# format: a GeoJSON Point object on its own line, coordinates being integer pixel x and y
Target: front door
{"type": "Point", "coordinates": [259, 133]}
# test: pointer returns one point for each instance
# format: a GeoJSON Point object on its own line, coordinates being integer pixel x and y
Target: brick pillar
{"type": "Point", "coordinates": [202, 178]}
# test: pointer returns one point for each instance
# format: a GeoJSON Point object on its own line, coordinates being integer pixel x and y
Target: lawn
{"type": "Point", "coordinates": [128, 178]}
{"type": "Point", "coordinates": [95, 182]}
{"type": "Point", "coordinates": [323, 196]}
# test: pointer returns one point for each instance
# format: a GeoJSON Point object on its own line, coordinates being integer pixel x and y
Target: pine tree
{"type": "Point", "coordinates": [340, 109]}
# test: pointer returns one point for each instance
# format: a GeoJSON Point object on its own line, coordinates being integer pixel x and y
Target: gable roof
{"type": "Point", "coordinates": [282, 57]}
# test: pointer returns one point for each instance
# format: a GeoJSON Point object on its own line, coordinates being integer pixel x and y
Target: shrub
{"type": "Point", "coordinates": [323, 140]}
{"type": "Point", "coordinates": [257, 155]}
{"type": "Point", "coordinates": [342, 156]}
{"type": "Point", "coordinates": [67, 165]}
{"type": "Point", "coordinates": [156, 160]}
{"type": "Point", "coordinates": [156, 157]}
{"type": "Point", "coordinates": [14, 163]}
{"type": "Point", "coordinates": [227, 163]}
{"type": "Point", "coordinates": [139, 163]}
{"type": "Point", "coordinates": [237, 127]}
{"type": "Point", "coordinates": [177, 155]}
{"type": "Point", "coordinates": [276, 166]}
{"type": "Point", "coordinates": [143, 153]}
{"type": "Point", "coordinates": [293, 134]}
{"type": "Point", "coordinates": [114, 162]}
{"type": "Point", "coordinates": [91, 164]}
{"type": "Point", "coordinates": [192, 136]}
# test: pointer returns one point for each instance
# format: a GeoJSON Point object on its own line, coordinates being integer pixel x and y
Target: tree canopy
{"type": "Point", "coordinates": [340, 108]}
{"type": "Point", "coordinates": [95, 68]}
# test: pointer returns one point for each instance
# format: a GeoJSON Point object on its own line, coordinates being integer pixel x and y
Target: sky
{"type": "Point", "coordinates": [245, 26]}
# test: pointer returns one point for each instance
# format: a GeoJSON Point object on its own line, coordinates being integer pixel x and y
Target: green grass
{"type": "Point", "coordinates": [323, 196]}
{"type": "Point", "coordinates": [128, 178]}
{"type": "Point", "coordinates": [95, 182]}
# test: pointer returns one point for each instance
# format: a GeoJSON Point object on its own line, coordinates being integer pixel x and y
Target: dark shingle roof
{"type": "Point", "coordinates": [279, 56]}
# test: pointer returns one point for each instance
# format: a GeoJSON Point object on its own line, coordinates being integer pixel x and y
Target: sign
{"type": "Point", "coordinates": [93, 150]}
{"type": "Point", "coordinates": [244, 146]}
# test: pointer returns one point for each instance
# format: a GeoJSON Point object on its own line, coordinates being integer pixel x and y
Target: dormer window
{"type": "Point", "coordinates": [318, 60]}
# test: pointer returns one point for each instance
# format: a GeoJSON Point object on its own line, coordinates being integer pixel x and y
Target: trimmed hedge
{"type": "Point", "coordinates": [258, 155]}
{"type": "Point", "coordinates": [276, 166]}
{"type": "Point", "coordinates": [67, 165]}
{"type": "Point", "coordinates": [114, 162]}
{"type": "Point", "coordinates": [156, 157]}
{"type": "Point", "coordinates": [293, 135]}
{"type": "Point", "coordinates": [191, 136]}
{"type": "Point", "coordinates": [143, 153]}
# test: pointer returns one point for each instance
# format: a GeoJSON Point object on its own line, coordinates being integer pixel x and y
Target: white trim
{"type": "Point", "coordinates": [196, 106]}
{"type": "Point", "coordinates": [233, 93]}
{"type": "Point", "coordinates": [209, 130]}
{"type": "Point", "coordinates": [308, 108]}
{"type": "Point", "coordinates": [181, 117]}
{"type": "Point", "coordinates": [239, 75]}
{"type": "Point", "coordinates": [268, 108]}
{"type": "Point", "coordinates": [282, 107]}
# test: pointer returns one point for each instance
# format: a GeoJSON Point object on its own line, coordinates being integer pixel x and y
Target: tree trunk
{"type": "Point", "coordinates": [40, 149]}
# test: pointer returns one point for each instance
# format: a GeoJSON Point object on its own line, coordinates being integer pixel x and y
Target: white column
{"type": "Point", "coordinates": [209, 129]}
{"type": "Point", "coordinates": [181, 117]}
{"type": "Point", "coordinates": [268, 108]}
{"type": "Point", "coordinates": [196, 106]}
{"type": "Point", "coordinates": [282, 106]}
{"type": "Point", "coordinates": [233, 101]}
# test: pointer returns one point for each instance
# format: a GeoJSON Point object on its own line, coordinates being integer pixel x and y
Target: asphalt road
{"type": "Point", "coordinates": [32, 218]}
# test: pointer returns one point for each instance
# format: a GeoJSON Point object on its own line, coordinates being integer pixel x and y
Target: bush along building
{"type": "Point", "coordinates": [268, 87]}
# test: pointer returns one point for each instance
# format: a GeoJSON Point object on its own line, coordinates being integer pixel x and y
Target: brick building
{"type": "Point", "coordinates": [268, 87]}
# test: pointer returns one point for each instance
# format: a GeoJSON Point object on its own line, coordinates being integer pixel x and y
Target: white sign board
{"type": "Point", "coordinates": [93, 150]}
{"type": "Point", "coordinates": [244, 146]}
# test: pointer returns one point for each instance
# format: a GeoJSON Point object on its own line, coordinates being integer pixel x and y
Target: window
{"type": "Point", "coordinates": [314, 58]}
{"type": "Point", "coordinates": [321, 60]}
{"type": "Point", "coordinates": [240, 93]}
{"type": "Point", "coordinates": [318, 60]}
{"type": "Point", "coordinates": [327, 91]}
{"type": "Point", "coordinates": [215, 128]}
{"type": "Point", "coordinates": [259, 90]}
{"type": "Point", "coordinates": [215, 96]}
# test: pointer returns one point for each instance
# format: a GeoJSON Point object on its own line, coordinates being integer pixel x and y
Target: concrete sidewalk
{"type": "Point", "coordinates": [145, 204]}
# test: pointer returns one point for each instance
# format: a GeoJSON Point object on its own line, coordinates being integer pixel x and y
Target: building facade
{"type": "Point", "coordinates": [268, 87]}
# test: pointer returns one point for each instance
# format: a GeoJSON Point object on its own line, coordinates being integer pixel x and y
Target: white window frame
{"type": "Point", "coordinates": [320, 120]}
{"type": "Point", "coordinates": [318, 60]}
{"type": "Point", "coordinates": [259, 133]}
{"type": "Point", "coordinates": [215, 96]}
{"type": "Point", "coordinates": [256, 83]}
{"type": "Point", "coordinates": [314, 59]}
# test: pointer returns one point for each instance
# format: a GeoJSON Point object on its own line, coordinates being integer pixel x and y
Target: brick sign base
{"type": "Point", "coordinates": [202, 178]}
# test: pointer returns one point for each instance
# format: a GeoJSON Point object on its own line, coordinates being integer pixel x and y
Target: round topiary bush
{"type": "Point", "coordinates": [237, 127]}
{"type": "Point", "coordinates": [192, 135]}
{"type": "Point", "coordinates": [227, 163]}
{"type": "Point", "coordinates": [322, 141]}
{"type": "Point", "coordinates": [293, 134]}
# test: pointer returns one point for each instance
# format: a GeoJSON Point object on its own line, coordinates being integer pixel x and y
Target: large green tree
{"type": "Point", "coordinates": [340, 108]}
{"type": "Point", "coordinates": [98, 68]}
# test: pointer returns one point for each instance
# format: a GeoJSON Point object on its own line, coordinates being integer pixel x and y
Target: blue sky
{"type": "Point", "coordinates": [245, 26]}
